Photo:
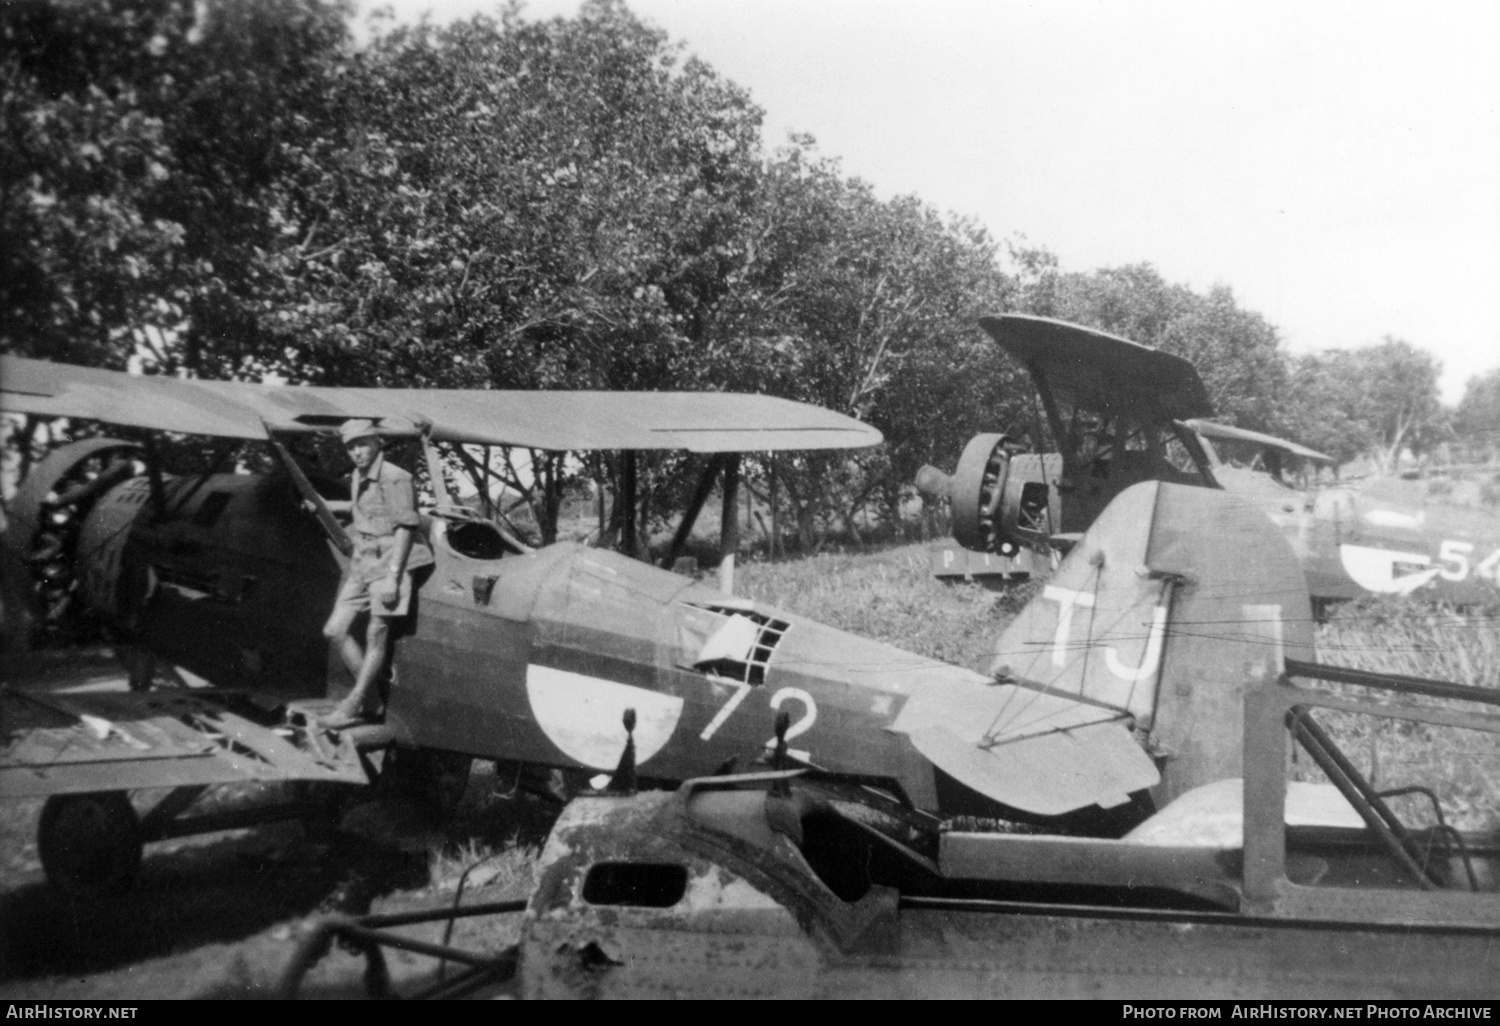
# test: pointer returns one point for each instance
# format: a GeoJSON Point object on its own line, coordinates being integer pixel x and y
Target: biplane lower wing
{"type": "Point", "coordinates": [1226, 433]}
{"type": "Point", "coordinates": [705, 422]}
{"type": "Point", "coordinates": [73, 743]}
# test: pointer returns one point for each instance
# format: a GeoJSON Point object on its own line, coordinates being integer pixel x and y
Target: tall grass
{"type": "Point", "coordinates": [1414, 638]}
{"type": "Point", "coordinates": [890, 595]}
{"type": "Point", "coordinates": [1462, 767]}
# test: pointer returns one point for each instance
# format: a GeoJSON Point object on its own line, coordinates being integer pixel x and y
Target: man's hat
{"type": "Point", "coordinates": [353, 429]}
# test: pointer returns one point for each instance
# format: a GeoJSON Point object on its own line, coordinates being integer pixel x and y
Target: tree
{"type": "Point", "coordinates": [1378, 400]}
{"type": "Point", "coordinates": [1477, 420]}
{"type": "Point", "coordinates": [141, 141]}
{"type": "Point", "coordinates": [867, 307]}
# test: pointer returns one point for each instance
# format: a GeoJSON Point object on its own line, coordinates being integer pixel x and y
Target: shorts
{"type": "Point", "coordinates": [355, 594]}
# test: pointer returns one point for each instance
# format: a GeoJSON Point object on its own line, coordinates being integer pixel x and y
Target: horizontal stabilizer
{"type": "Point", "coordinates": [1045, 774]}
{"type": "Point", "coordinates": [1213, 815]}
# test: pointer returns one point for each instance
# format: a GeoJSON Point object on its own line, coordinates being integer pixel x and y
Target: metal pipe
{"type": "Point", "coordinates": [1393, 682]}
{"type": "Point", "coordinates": [1372, 813]}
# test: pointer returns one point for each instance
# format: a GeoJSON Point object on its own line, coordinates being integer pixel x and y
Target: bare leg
{"type": "Point", "coordinates": [377, 642]}
{"type": "Point", "coordinates": [338, 630]}
{"type": "Point", "coordinates": [352, 654]}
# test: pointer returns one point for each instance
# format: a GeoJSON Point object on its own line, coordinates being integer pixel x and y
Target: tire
{"type": "Point", "coordinates": [90, 844]}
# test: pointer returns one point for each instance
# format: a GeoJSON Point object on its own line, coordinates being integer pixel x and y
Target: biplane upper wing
{"type": "Point", "coordinates": [696, 421]}
{"type": "Point", "coordinates": [1209, 429]}
{"type": "Point", "coordinates": [1097, 370]}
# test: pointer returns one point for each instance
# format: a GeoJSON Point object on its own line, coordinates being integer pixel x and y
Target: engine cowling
{"type": "Point", "coordinates": [976, 492]}
{"type": "Point", "coordinates": [1001, 498]}
{"type": "Point", "coordinates": [978, 495]}
{"type": "Point", "coordinates": [49, 532]}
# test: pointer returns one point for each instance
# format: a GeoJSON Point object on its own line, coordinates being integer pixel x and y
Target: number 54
{"type": "Point", "coordinates": [1454, 555]}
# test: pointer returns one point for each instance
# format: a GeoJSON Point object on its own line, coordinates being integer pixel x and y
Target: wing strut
{"type": "Point", "coordinates": [440, 494]}
{"type": "Point", "coordinates": [330, 525]}
{"type": "Point", "coordinates": [627, 500]}
{"type": "Point", "coordinates": [729, 523]}
{"type": "Point", "coordinates": [695, 506]}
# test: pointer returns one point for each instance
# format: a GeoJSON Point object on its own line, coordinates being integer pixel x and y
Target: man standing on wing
{"type": "Point", "coordinates": [388, 546]}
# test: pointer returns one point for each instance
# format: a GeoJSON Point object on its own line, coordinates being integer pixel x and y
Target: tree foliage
{"type": "Point", "coordinates": [1376, 401]}
{"type": "Point", "coordinates": [230, 188]}
{"type": "Point", "coordinates": [143, 144]}
{"type": "Point", "coordinates": [1477, 420]}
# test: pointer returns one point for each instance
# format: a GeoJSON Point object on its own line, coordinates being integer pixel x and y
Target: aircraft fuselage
{"type": "Point", "coordinates": [530, 658]}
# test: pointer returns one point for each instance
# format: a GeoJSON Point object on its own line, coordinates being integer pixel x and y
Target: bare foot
{"type": "Point", "coordinates": [342, 718]}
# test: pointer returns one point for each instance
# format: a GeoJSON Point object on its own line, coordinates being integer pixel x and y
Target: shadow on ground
{"type": "Point", "coordinates": [210, 916]}
{"type": "Point", "coordinates": [210, 893]}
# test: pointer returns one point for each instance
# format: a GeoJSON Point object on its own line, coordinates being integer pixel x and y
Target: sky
{"type": "Point", "coordinates": [1336, 164]}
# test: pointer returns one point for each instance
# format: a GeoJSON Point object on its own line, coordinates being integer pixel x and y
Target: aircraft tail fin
{"type": "Point", "coordinates": [1126, 672]}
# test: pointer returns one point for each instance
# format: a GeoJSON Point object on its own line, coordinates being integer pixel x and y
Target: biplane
{"type": "Point", "coordinates": [532, 656]}
{"type": "Point", "coordinates": [1122, 413]}
{"type": "Point", "coordinates": [1098, 707]}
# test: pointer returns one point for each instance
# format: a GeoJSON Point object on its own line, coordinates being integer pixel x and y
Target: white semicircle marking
{"type": "Point", "coordinates": [1375, 569]}
{"type": "Point", "coordinates": [582, 715]}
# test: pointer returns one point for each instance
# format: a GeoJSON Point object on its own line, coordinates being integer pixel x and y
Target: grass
{"type": "Point", "coordinates": [1462, 767]}
{"type": "Point", "coordinates": [889, 595]}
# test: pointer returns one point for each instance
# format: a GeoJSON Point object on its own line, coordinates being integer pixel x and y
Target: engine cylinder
{"type": "Point", "coordinates": [977, 490]}
{"type": "Point", "coordinates": [47, 531]}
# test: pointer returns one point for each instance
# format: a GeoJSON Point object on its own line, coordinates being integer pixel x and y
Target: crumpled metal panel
{"type": "Point", "coordinates": [755, 921]}
{"type": "Point", "coordinates": [103, 741]}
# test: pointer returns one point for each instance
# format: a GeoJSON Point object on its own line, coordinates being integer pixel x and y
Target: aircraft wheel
{"type": "Point", "coordinates": [90, 844]}
{"type": "Point", "coordinates": [436, 781]}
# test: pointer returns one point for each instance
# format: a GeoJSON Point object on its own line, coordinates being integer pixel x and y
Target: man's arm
{"type": "Point", "coordinates": [402, 549]}
{"type": "Point", "coordinates": [401, 499]}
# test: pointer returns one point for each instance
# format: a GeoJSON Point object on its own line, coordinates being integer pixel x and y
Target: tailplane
{"type": "Point", "coordinates": [1126, 673]}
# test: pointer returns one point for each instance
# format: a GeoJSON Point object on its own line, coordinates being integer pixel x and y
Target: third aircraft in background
{"type": "Point", "coordinates": [1124, 413]}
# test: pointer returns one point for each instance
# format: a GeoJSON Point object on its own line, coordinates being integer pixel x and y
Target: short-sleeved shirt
{"type": "Point", "coordinates": [382, 501]}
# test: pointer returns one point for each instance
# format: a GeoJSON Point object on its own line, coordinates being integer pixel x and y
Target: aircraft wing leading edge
{"type": "Point", "coordinates": [705, 422]}
{"type": "Point", "coordinates": [1099, 370]}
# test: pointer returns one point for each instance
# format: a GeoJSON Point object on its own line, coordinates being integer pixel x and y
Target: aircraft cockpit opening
{"type": "Point", "coordinates": [477, 539]}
